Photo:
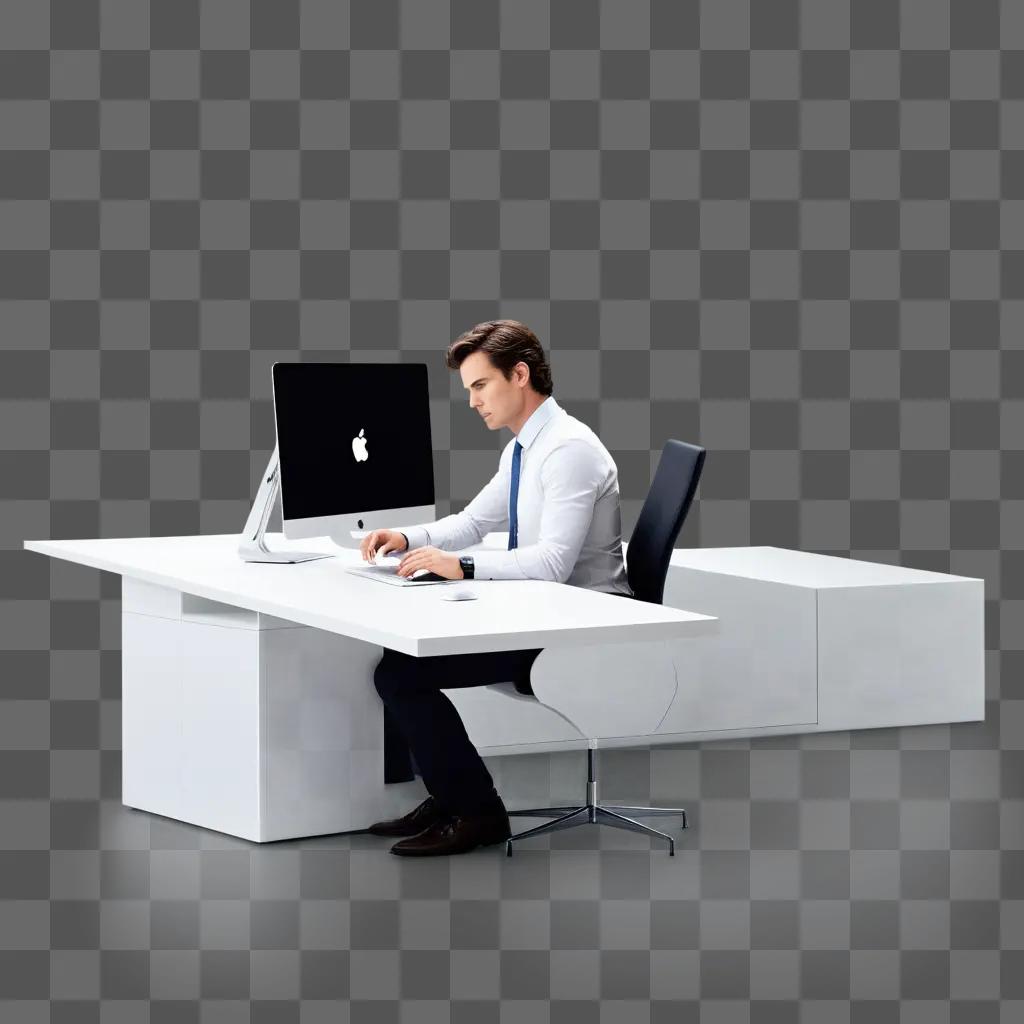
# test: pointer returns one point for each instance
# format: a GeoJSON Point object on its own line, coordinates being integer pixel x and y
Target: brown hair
{"type": "Point", "coordinates": [506, 342]}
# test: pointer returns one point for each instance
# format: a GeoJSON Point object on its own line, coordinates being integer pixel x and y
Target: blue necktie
{"type": "Point", "coordinates": [513, 499]}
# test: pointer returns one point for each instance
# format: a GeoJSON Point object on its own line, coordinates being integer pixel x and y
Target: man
{"type": "Point", "coordinates": [557, 492]}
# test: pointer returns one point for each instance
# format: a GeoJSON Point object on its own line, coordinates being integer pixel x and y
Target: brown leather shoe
{"type": "Point", "coordinates": [412, 824]}
{"type": "Point", "coordinates": [456, 835]}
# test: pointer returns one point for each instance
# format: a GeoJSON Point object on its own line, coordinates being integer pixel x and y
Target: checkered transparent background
{"type": "Point", "coordinates": [790, 231]}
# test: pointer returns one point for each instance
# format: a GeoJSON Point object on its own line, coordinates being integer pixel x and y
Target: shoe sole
{"type": "Point", "coordinates": [397, 835]}
{"type": "Point", "coordinates": [446, 853]}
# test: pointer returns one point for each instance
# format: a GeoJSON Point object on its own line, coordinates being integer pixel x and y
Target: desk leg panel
{"type": "Point", "coordinates": [191, 722]}
{"type": "Point", "coordinates": [262, 733]}
{"type": "Point", "coordinates": [151, 715]}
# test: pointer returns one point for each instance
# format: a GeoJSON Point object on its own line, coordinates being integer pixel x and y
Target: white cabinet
{"type": "Point", "coordinates": [813, 643]}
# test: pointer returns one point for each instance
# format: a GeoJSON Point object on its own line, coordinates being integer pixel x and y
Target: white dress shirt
{"type": "Point", "coordinates": [569, 521]}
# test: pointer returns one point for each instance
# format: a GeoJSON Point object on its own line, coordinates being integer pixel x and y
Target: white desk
{"type": "Point", "coordinates": [248, 704]}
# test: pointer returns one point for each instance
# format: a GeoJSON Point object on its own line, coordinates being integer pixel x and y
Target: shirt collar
{"type": "Point", "coordinates": [538, 418]}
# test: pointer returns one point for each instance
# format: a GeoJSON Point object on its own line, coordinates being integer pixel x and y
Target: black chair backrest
{"type": "Point", "coordinates": [661, 518]}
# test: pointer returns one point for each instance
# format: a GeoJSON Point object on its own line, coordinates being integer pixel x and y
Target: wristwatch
{"type": "Point", "coordinates": [466, 561]}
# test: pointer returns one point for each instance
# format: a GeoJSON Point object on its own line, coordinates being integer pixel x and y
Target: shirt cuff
{"type": "Point", "coordinates": [415, 537]}
{"type": "Point", "coordinates": [491, 564]}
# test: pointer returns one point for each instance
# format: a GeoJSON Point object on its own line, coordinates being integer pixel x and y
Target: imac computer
{"type": "Point", "coordinates": [353, 454]}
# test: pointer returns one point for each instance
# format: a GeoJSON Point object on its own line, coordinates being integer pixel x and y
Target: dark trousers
{"type": "Point", "coordinates": [419, 719]}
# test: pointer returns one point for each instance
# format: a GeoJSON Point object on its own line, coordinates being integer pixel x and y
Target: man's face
{"type": "Point", "coordinates": [497, 400]}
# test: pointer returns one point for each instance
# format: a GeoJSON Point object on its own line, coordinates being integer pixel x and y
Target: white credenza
{"type": "Point", "coordinates": [803, 643]}
{"type": "Point", "coordinates": [815, 643]}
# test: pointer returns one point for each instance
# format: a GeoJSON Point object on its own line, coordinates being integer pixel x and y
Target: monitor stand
{"type": "Point", "coordinates": [253, 544]}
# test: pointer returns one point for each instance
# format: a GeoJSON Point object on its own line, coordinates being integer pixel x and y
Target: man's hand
{"type": "Point", "coordinates": [444, 563]}
{"type": "Point", "coordinates": [381, 542]}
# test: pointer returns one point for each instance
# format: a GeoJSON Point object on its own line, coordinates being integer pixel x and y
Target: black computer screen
{"type": "Point", "coordinates": [322, 408]}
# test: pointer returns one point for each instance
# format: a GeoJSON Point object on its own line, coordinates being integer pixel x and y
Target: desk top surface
{"type": "Point", "coordinates": [509, 615]}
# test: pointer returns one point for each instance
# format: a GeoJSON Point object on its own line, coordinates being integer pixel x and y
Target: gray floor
{"type": "Point", "coordinates": [821, 877]}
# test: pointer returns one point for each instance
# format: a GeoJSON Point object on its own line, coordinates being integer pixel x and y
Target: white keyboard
{"type": "Point", "coordinates": [387, 572]}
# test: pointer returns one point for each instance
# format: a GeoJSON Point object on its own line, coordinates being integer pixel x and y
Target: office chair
{"type": "Point", "coordinates": [647, 562]}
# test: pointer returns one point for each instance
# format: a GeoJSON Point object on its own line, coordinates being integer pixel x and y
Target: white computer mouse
{"type": "Point", "coordinates": [460, 594]}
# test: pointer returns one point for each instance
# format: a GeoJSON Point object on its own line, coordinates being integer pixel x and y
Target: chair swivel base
{"type": "Point", "coordinates": [593, 813]}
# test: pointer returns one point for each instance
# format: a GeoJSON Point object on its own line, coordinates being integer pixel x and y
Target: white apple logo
{"type": "Point", "coordinates": [359, 447]}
